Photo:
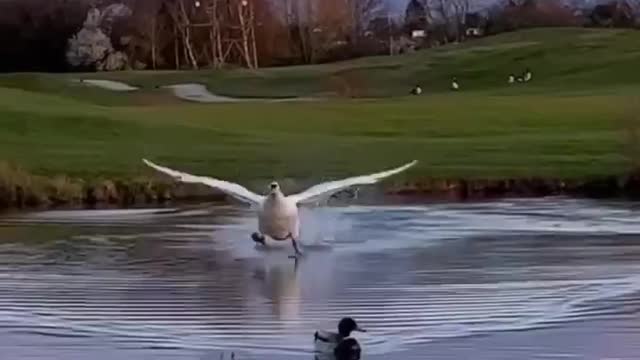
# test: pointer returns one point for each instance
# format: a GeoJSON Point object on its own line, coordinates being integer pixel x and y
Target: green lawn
{"type": "Point", "coordinates": [572, 121]}
{"type": "Point", "coordinates": [564, 61]}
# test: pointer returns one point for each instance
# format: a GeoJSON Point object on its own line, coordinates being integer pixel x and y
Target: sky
{"type": "Point", "coordinates": [398, 6]}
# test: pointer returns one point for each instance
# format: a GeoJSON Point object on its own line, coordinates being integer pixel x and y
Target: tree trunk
{"type": "Point", "coordinates": [253, 36]}
{"type": "Point", "coordinates": [447, 21]}
{"type": "Point", "coordinates": [255, 48]}
{"type": "Point", "coordinates": [176, 46]}
{"type": "Point", "coordinates": [186, 33]}
{"type": "Point", "coordinates": [287, 21]}
{"type": "Point", "coordinates": [245, 35]}
{"type": "Point", "coordinates": [153, 43]}
{"type": "Point", "coordinates": [223, 58]}
{"type": "Point", "coordinates": [390, 30]}
{"type": "Point", "coordinates": [303, 37]}
{"type": "Point", "coordinates": [214, 32]}
{"type": "Point", "coordinates": [212, 43]}
{"type": "Point", "coordinates": [311, 48]}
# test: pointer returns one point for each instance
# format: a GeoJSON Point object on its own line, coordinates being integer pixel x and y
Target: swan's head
{"type": "Point", "coordinates": [274, 188]}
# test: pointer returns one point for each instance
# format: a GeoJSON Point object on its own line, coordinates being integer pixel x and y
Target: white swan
{"type": "Point", "coordinates": [277, 213]}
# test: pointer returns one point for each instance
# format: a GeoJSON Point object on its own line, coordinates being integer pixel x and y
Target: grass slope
{"type": "Point", "coordinates": [572, 121]}
{"type": "Point", "coordinates": [564, 61]}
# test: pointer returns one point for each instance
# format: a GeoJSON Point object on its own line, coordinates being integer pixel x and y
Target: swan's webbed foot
{"type": "Point", "coordinates": [259, 238]}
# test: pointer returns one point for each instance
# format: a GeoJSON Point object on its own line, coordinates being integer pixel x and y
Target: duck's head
{"type": "Point", "coordinates": [347, 325]}
{"type": "Point", "coordinates": [347, 349]}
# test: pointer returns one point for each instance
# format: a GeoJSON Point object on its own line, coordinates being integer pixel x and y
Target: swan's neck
{"type": "Point", "coordinates": [275, 197]}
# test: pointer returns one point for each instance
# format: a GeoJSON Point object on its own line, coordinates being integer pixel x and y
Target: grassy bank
{"type": "Point", "coordinates": [563, 60]}
{"type": "Point", "coordinates": [454, 136]}
{"type": "Point", "coordinates": [575, 122]}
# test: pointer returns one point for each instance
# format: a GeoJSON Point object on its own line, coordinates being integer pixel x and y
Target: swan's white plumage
{"type": "Point", "coordinates": [278, 214]}
{"type": "Point", "coordinates": [278, 217]}
{"type": "Point", "coordinates": [317, 192]}
{"type": "Point", "coordinates": [237, 191]}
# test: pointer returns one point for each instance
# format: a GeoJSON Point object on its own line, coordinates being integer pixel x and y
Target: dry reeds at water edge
{"type": "Point", "coordinates": [630, 123]}
{"type": "Point", "coordinates": [20, 188]}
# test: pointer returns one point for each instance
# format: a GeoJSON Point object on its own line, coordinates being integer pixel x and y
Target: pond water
{"type": "Point", "coordinates": [551, 278]}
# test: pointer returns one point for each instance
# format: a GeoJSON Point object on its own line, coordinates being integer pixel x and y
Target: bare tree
{"type": "Point", "coordinates": [299, 18]}
{"type": "Point", "coordinates": [361, 12]}
{"type": "Point", "coordinates": [146, 24]}
{"type": "Point", "coordinates": [215, 37]}
{"type": "Point", "coordinates": [442, 19]}
{"type": "Point", "coordinates": [418, 14]}
{"type": "Point", "coordinates": [288, 19]}
{"type": "Point", "coordinates": [459, 10]}
{"type": "Point", "coordinates": [448, 15]}
{"type": "Point", "coordinates": [178, 11]}
{"type": "Point", "coordinates": [246, 18]}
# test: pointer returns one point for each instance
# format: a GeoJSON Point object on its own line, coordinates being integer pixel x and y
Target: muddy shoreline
{"type": "Point", "coordinates": [145, 192]}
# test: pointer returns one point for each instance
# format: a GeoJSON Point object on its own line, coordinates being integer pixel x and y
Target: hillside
{"type": "Point", "coordinates": [562, 59]}
{"type": "Point", "coordinates": [573, 121]}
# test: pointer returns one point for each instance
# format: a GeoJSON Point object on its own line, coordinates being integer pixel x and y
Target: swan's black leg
{"type": "Point", "coordinates": [295, 247]}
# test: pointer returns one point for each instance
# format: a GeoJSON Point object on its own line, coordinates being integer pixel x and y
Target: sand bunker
{"type": "Point", "coordinates": [199, 93]}
{"type": "Point", "coordinates": [190, 92]}
{"type": "Point", "coordinates": [108, 84]}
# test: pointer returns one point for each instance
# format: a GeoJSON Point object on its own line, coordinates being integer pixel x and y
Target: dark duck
{"type": "Point", "coordinates": [340, 344]}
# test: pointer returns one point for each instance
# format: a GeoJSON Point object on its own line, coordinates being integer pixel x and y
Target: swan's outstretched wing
{"type": "Point", "coordinates": [319, 191]}
{"type": "Point", "coordinates": [231, 189]}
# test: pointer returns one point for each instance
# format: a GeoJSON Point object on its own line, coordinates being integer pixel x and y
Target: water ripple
{"type": "Point", "coordinates": [191, 279]}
